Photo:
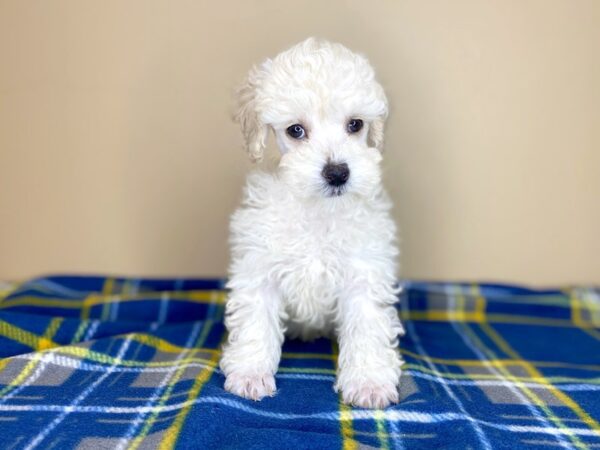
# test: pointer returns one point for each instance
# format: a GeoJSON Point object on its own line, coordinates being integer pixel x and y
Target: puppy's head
{"type": "Point", "coordinates": [327, 112]}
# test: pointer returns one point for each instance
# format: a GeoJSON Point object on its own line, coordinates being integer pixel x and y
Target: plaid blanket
{"type": "Point", "coordinates": [105, 363]}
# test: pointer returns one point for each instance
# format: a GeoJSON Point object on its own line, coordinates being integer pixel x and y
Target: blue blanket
{"type": "Point", "coordinates": [99, 363]}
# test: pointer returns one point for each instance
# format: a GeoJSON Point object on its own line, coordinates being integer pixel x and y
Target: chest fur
{"type": "Point", "coordinates": [309, 253]}
{"type": "Point", "coordinates": [310, 265]}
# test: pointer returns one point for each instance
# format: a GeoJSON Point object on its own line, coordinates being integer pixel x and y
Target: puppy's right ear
{"type": "Point", "coordinates": [247, 114]}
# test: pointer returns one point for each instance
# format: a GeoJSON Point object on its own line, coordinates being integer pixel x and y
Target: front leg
{"type": "Point", "coordinates": [369, 361]}
{"type": "Point", "coordinates": [251, 355]}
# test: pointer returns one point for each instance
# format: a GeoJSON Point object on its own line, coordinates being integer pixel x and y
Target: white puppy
{"type": "Point", "coordinates": [313, 244]}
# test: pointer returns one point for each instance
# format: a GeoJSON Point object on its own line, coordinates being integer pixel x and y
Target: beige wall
{"type": "Point", "coordinates": [117, 153]}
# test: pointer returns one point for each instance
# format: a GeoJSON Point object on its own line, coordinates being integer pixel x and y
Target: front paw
{"type": "Point", "coordinates": [366, 394]}
{"type": "Point", "coordinates": [374, 387]}
{"type": "Point", "coordinates": [252, 387]}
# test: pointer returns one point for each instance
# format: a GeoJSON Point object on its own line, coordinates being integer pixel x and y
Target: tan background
{"type": "Point", "coordinates": [117, 153]}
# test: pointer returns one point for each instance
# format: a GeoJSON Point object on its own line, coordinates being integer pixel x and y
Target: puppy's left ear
{"type": "Point", "coordinates": [377, 125]}
{"type": "Point", "coordinates": [376, 134]}
{"type": "Point", "coordinates": [246, 113]}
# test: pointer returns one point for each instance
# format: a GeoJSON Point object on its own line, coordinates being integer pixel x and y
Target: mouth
{"type": "Point", "coordinates": [335, 191]}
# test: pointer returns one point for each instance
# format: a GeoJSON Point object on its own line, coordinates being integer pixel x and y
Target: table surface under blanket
{"type": "Point", "coordinates": [103, 363]}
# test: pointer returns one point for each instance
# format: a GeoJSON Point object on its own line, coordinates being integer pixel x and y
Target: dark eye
{"type": "Point", "coordinates": [296, 131]}
{"type": "Point", "coordinates": [354, 125]}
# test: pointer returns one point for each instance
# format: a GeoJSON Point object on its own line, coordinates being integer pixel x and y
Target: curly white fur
{"type": "Point", "coordinates": [309, 260]}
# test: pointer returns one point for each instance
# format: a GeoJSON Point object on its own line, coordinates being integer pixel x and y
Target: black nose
{"type": "Point", "coordinates": [336, 174]}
